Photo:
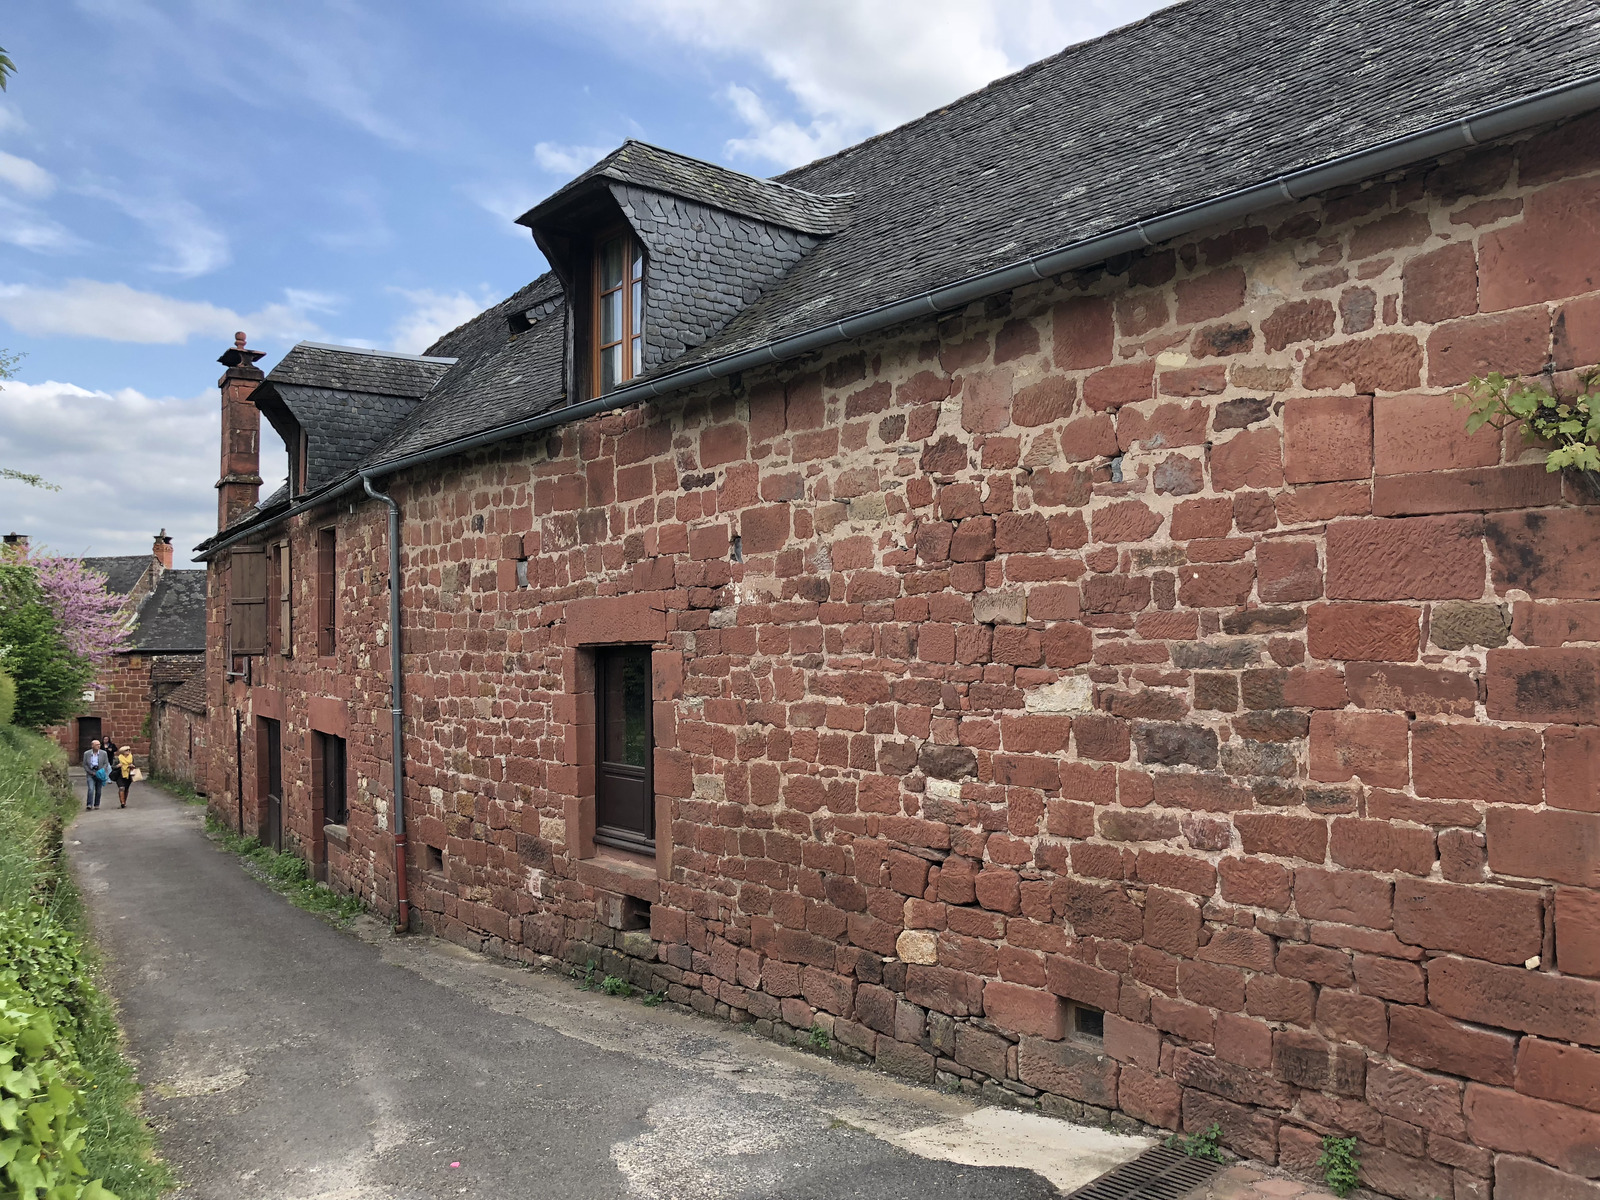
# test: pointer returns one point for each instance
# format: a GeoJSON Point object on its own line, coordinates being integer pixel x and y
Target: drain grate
{"type": "Point", "coordinates": [1161, 1173]}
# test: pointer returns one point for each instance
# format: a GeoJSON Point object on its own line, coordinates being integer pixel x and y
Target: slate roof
{"type": "Point", "coordinates": [175, 668]}
{"type": "Point", "coordinates": [347, 399]}
{"type": "Point", "coordinates": [173, 616]}
{"type": "Point", "coordinates": [122, 572]}
{"type": "Point", "coordinates": [705, 267]}
{"type": "Point", "coordinates": [674, 174]}
{"type": "Point", "coordinates": [1187, 105]}
{"type": "Point", "coordinates": [191, 696]}
{"type": "Point", "coordinates": [357, 369]}
{"type": "Point", "coordinates": [497, 378]}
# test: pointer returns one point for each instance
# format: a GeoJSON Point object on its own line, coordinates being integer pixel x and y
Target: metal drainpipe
{"type": "Point", "coordinates": [403, 906]}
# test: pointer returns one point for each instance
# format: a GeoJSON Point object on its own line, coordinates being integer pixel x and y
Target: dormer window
{"type": "Point", "coordinates": [619, 311]}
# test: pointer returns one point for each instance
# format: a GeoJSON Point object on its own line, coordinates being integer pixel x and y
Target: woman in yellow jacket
{"type": "Point", "coordinates": [122, 773]}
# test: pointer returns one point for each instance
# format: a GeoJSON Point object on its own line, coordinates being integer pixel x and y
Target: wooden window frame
{"type": "Point", "coordinates": [641, 842]}
{"type": "Point", "coordinates": [597, 349]}
{"type": "Point", "coordinates": [321, 775]}
{"type": "Point", "coordinates": [327, 591]}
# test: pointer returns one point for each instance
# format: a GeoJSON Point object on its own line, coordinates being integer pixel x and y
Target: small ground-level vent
{"type": "Point", "coordinates": [1161, 1173]}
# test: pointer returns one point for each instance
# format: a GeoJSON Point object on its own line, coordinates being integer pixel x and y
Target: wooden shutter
{"type": "Point", "coordinates": [285, 608]}
{"type": "Point", "coordinates": [247, 599]}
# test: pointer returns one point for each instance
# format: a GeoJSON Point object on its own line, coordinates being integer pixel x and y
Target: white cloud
{"type": "Point", "coordinates": [119, 313]}
{"type": "Point", "coordinates": [21, 225]}
{"type": "Point", "coordinates": [11, 119]}
{"type": "Point", "coordinates": [432, 315]}
{"type": "Point", "coordinates": [854, 69]}
{"type": "Point", "coordinates": [27, 176]}
{"type": "Point", "coordinates": [128, 464]}
{"type": "Point", "coordinates": [566, 160]}
{"type": "Point", "coordinates": [193, 245]}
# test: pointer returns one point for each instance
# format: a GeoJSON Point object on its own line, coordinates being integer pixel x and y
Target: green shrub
{"type": "Point", "coordinates": [42, 1122]}
{"type": "Point", "coordinates": [69, 1115]}
{"type": "Point", "coordinates": [8, 698]}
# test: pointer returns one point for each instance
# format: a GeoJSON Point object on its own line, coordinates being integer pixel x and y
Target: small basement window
{"type": "Point", "coordinates": [1088, 1023]}
{"type": "Point", "coordinates": [436, 860]}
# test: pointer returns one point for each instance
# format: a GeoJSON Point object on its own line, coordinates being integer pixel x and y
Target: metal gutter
{"type": "Point", "coordinates": [397, 745]}
{"type": "Point", "coordinates": [1569, 99]}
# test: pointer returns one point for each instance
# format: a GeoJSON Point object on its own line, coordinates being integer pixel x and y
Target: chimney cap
{"type": "Point", "coordinates": [237, 356]}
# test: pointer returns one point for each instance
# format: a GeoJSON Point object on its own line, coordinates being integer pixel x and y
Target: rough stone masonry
{"type": "Point", "coordinates": [1152, 643]}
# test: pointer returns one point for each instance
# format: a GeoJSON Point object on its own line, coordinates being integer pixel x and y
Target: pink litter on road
{"type": "Point", "coordinates": [455, 1164]}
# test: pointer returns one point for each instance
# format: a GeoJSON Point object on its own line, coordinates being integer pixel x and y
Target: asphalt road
{"type": "Point", "coordinates": [283, 1058]}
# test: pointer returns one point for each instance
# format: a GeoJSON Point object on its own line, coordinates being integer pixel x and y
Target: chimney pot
{"type": "Point", "coordinates": [162, 550]}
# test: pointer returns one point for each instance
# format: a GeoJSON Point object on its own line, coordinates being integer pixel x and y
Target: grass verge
{"type": "Point", "coordinates": [178, 789]}
{"type": "Point", "coordinates": [48, 965]}
{"type": "Point", "coordinates": [286, 874]}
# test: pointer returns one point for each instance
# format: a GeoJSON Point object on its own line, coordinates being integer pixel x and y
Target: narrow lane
{"type": "Point", "coordinates": [286, 1059]}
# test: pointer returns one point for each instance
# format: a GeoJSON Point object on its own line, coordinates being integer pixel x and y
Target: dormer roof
{"type": "Point", "coordinates": [346, 400]}
{"type": "Point", "coordinates": [671, 174]}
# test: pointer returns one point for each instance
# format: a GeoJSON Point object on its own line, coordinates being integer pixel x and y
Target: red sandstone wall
{"type": "Point", "coordinates": [1156, 640]}
{"type": "Point", "coordinates": [178, 746]}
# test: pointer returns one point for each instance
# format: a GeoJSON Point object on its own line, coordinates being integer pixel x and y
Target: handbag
{"type": "Point", "coordinates": [101, 774]}
{"type": "Point", "coordinates": [138, 775]}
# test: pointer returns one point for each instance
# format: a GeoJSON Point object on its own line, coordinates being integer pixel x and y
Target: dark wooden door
{"type": "Point", "coordinates": [273, 834]}
{"type": "Point", "coordinates": [88, 731]}
{"type": "Point", "coordinates": [625, 803]}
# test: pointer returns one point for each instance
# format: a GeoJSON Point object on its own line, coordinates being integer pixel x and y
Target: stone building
{"type": "Point", "coordinates": [166, 647]}
{"type": "Point", "coordinates": [1016, 594]}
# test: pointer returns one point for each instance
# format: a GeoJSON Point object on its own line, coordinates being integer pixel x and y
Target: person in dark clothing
{"type": "Point", "coordinates": [96, 770]}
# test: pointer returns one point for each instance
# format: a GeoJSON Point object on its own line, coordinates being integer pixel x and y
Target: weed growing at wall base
{"type": "Point", "coordinates": [286, 874]}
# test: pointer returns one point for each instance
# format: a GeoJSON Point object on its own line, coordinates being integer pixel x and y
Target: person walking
{"type": "Point", "coordinates": [122, 772]}
{"type": "Point", "coordinates": [96, 770]}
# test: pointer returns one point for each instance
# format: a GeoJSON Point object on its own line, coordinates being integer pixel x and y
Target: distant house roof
{"type": "Point", "coordinates": [174, 668]}
{"type": "Point", "coordinates": [122, 573]}
{"type": "Point", "coordinates": [173, 617]}
{"type": "Point", "coordinates": [1191, 104]}
{"type": "Point", "coordinates": [191, 697]}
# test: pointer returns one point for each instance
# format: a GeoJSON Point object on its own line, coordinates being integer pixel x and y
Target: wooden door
{"type": "Point", "coordinates": [625, 808]}
{"type": "Point", "coordinates": [273, 834]}
{"type": "Point", "coordinates": [88, 731]}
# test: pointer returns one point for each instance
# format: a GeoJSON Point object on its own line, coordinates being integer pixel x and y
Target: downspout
{"type": "Point", "coordinates": [238, 762]}
{"type": "Point", "coordinates": [397, 744]}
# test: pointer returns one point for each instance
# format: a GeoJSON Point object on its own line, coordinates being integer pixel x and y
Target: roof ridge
{"type": "Point", "coordinates": [371, 350]}
{"type": "Point", "coordinates": [767, 180]}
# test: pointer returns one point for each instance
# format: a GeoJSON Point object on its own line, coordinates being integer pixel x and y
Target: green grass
{"type": "Point", "coordinates": [35, 805]}
{"type": "Point", "coordinates": [286, 874]}
{"type": "Point", "coordinates": [178, 789]}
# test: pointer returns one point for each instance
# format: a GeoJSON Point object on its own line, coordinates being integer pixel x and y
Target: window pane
{"type": "Point", "coordinates": [610, 367]}
{"type": "Point", "coordinates": [637, 324]}
{"type": "Point", "coordinates": [636, 270]}
{"type": "Point", "coordinates": [636, 707]}
{"type": "Point", "coordinates": [638, 356]}
{"type": "Point", "coordinates": [611, 317]}
{"type": "Point", "coordinates": [611, 264]}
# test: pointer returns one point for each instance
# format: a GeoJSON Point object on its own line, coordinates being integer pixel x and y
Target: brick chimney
{"type": "Point", "coordinates": [240, 485]}
{"type": "Point", "coordinates": [161, 551]}
{"type": "Point", "coordinates": [16, 545]}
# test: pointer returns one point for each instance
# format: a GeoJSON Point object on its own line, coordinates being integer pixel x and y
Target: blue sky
{"type": "Point", "coordinates": [348, 171]}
